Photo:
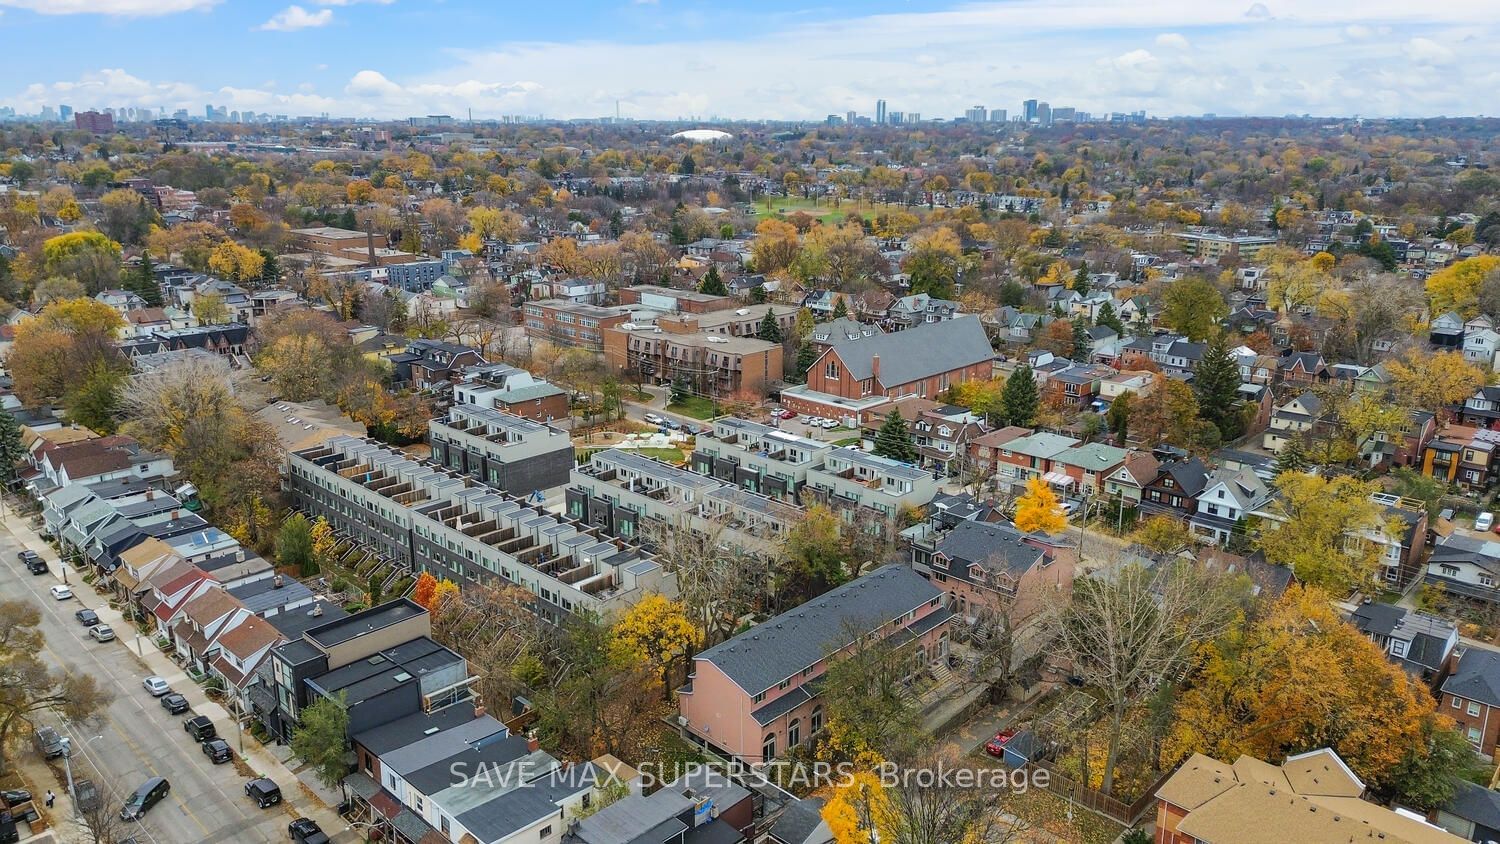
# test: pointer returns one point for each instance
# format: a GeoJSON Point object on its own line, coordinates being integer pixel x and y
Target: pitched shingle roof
{"type": "Point", "coordinates": [1477, 677]}
{"type": "Point", "coordinates": [921, 352]}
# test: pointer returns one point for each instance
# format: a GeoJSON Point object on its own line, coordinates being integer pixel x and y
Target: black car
{"type": "Point", "coordinates": [217, 750]}
{"type": "Point", "coordinates": [150, 793]}
{"type": "Point", "coordinates": [264, 792]}
{"type": "Point", "coordinates": [27, 556]}
{"type": "Point", "coordinates": [174, 703]}
{"type": "Point", "coordinates": [306, 831]}
{"type": "Point", "coordinates": [36, 565]}
{"type": "Point", "coordinates": [86, 617]}
{"type": "Point", "coordinates": [200, 728]}
{"type": "Point", "coordinates": [15, 797]}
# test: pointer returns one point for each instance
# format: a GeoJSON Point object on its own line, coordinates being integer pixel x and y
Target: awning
{"type": "Point", "coordinates": [1058, 479]}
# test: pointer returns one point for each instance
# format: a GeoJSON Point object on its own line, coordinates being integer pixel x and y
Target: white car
{"type": "Point", "coordinates": [60, 592]}
{"type": "Point", "coordinates": [156, 686]}
{"type": "Point", "coordinates": [653, 419]}
{"type": "Point", "coordinates": [1484, 521]}
{"type": "Point", "coordinates": [102, 633]}
{"type": "Point", "coordinates": [830, 424]}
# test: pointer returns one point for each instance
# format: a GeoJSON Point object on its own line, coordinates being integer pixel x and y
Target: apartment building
{"type": "Point", "coordinates": [502, 387]}
{"type": "Point", "coordinates": [507, 452]}
{"type": "Point", "coordinates": [624, 494]}
{"type": "Point", "coordinates": [576, 325]}
{"type": "Point", "coordinates": [757, 457]}
{"type": "Point", "coordinates": [431, 518]}
{"type": "Point", "coordinates": [1214, 246]}
{"type": "Point", "coordinates": [710, 364]}
{"type": "Point", "coordinates": [867, 490]}
{"type": "Point", "coordinates": [755, 697]}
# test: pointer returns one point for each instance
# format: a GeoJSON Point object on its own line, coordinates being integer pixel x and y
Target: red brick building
{"type": "Point", "coordinates": [923, 361]}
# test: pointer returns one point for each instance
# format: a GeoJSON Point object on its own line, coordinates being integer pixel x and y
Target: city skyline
{"type": "Point", "coordinates": [668, 59]}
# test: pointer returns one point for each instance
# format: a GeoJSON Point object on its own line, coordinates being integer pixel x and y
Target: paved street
{"type": "Point", "coordinates": [136, 738]}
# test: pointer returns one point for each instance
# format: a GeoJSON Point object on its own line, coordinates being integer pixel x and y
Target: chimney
{"type": "Point", "coordinates": [480, 711]}
{"type": "Point", "coordinates": [370, 245]}
{"type": "Point", "coordinates": [532, 744]}
{"type": "Point", "coordinates": [176, 514]}
{"type": "Point", "coordinates": [150, 494]}
{"type": "Point", "coordinates": [316, 611]}
{"type": "Point", "coordinates": [875, 366]}
{"type": "Point", "coordinates": [277, 581]}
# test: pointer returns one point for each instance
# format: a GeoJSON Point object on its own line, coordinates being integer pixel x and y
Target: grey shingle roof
{"type": "Point", "coordinates": [991, 545]}
{"type": "Point", "coordinates": [772, 651]}
{"type": "Point", "coordinates": [1475, 803]}
{"type": "Point", "coordinates": [920, 352]}
{"type": "Point", "coordinates": [1477, 677]}
{"type": "Point", "coordinates": [802, 823]}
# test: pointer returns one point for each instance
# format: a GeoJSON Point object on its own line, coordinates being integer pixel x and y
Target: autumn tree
{"type": "Point", "coordinates": [236, 262]}
{"type": "Point", "coordinates": [1128, 626]}
{"type": "Point", "coordinates": [210, 309]}
{"type": "Point", "coordinates": [1162, 535]}
{"type": "Point", "coordinates": [1456, 287]}
{"type": "Point", "coordinates": [126, 216]}
{"type": "Point", "coordinates": [29, 686]}
{"type": "Point", "coordinates": [1301, 678]}
{"type": "Point", "coordinates": [1433, 380]}
{"type": "Point", "coordinates": [814, 556]}
{"type": "Point", "coordinates": [864, 810]}
{"type": "Point", "coordinates": [868, 711]}
{"type": "Point", "coordinates": [595, 696]}
{"type": "Point", "coordinates": [321, 738]}
{"type": "Point", "coordinates": [719, 582]}
{"type": "Point", "coordinates": [1193, 307]}
{"type": "Point", "coordinates": [55, 352]}
{"type": "Point", "coordinates": [1170, 414]}
{"type": "Point", "coordinates": [1057, 338]}
{"type": "Point", "coordinates": [776, 245]}
{"type": "Point", "coordinates": [1038, 511]}
{"type": "Point", "coordinates": [423, 590]}
{"type": "Point", "coordinates": [1325, 530]}
{"type": "Point", "coordinates": [657, 633]}
{"type": "Point", "coordinates": [89, 257]}
{"type": "Point", "coordinates": [933, 262]}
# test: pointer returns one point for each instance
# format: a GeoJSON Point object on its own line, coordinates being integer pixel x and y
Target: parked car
{"type": "Point", "coordinates": [174, 703]}
{"type": "Point", "coordinates": [14, 797]}
{"type": "Point", "coordinates": [150, 793]}
{"type": "Point", "coordinates": [996, 745]}
{"type": "Point", "coordinates": [60, 592]}
{"type": "Point", "coordinates": [26, 557]}
{"type": "Point", "coordinates": [86, 617]}
{"type": "Point", "coordinates": [653, 419]}
{"type": "Point", "coordinates": [787, 414]}
{"type": "Point", "coordinates": [1484, 521]}
{"type": "Point", "coordinates": [200, 728]}
{"type": "Point", "coordinates": [50, 744]}
{"type": "Point", "coordinates": [102, 633]}
{"type": "Point", "coordinates": [36, 565]}
{"type": "Point", "coordinates": [306, 831]}
{"type": "Point", "coordinates": [86, 795]}
{"type": "Point", "coordinates": [156, 686]}
{"type": "Point", "coordinates": [264, 792]}
{"type": "Point", "coordinates": [217, 750]}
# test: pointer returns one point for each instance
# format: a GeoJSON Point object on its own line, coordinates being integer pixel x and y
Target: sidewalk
{"type": "Point", "coordinates": [313, 801]}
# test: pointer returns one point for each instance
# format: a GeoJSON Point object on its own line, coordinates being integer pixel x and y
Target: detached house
{"type": "Point", "coordinates": [1175, 490]}
{"type": "Point", "coordinates": [1471, 696]}
{"type": "Point", "coordinates": [1420, 643]}
{"type": "Point", "coordinates": [755, 697]}
{"type": "Point", "coordinates": [1291, 420]}
{"type": "Point", "coordinates": [1228, 496]}
{"type": "Point", "coordinates": [984, 567]}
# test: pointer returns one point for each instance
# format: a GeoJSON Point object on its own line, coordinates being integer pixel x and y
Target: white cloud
{"type": "Point", "coordinates": [114, 8]}
{"type": "Point", "coordinates": [1172, 39]}
{"type": "Point", "coordinates": [1425, 51]}
{"type": "Point", "coordinates": [1257, 10]}
{"type": "Point", "coordinates": [293, 18]}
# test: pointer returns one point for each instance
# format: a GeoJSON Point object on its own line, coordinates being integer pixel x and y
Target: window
{"type": "Point", "coordinates": [768, 748]}
{"type": "Point", "coordinates": [1473, 707]}
{"type": "Point", "coordinates": [1457, 703]}
{"type": "Point", "coordinates": [546, 832]}
{"type": "Point", "coordinates": [831, 370]}
{"type": "Point", "coordinates": [1474, 735]}
{"type": "Point", "coordinates": [817, 719]}
{"type": "Point", "coordinates": [794, 733]}
{"type": "Point", "coordinates": [760, 698]}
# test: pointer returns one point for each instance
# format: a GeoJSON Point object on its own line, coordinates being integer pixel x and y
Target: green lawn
{"type": "Point", "coordinates": [788, 205]}
{"type": "Point", "coordinates": [847, 441]}
{"type": "Point", "coordinates": [666, 455]}
{"type": "Point", "coordinates": [697, 407]}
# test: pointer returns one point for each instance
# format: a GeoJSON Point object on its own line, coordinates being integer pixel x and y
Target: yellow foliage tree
{"type": "Point", "coordinates": [445, 591]}
{"type": "Point", "coordinates": [1434, 380]}
{"type": "Point", "coordinates": [1038, 510]}
{"type": "Point", "coordinates": [423, 590]}
{"type": "Point", "coordinates": [323, 540]}
{"type": "Point", "coordinates": [231, 260]}
{"type": "Point", "coordinates": [1324, 530]}
{"type": "Point", "coordinates": [859, 810]}
{"type": "Point", "coordinates": [1456, 287]}
{"type": "Point", "coordinates": [656, 631]}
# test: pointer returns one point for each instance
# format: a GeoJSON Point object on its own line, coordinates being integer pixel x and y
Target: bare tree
{"type": "Point", "coordinates": [942, 812]}
{"type": "Point", "coordinates": [97, 818]}
{"type": "Point", "coordinates": [1134, 624]}
{"type": "Point", "coordinates": [492, 627]}
{"type": "Point", "coordinates": [718, 581]}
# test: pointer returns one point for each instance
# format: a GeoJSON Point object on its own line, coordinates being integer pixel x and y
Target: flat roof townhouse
{"type": "Point", "coordinates": [653, 297]}
{"type": "Point", "coordinates": [757, 457]}
{"type": "Point", "coordinates": [499, 386]}
{"type": "Point", "coordinates": [868, 490]}
{"type": "Point", "coordinates": [507, 452]}
{"type": "Point", "coordinates": [431, 518]}
{"type": "Point", "coordinates": [708, 363]}
{"type": "Point", "coordinates": [755, 697]}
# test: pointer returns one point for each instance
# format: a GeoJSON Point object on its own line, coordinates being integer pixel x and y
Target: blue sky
{"type": "Point", "coordinates": [743, 59]}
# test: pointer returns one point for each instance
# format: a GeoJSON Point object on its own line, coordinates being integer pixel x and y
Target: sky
{"type": "Point", "coordinates": [752, 59]}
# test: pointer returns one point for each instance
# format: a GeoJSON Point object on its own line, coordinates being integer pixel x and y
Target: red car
{"type": "Point", "coordinates": [996, 745]}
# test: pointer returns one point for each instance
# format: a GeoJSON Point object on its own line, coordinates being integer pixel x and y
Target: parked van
{"type": "Point", "coordinates": [150, 793]}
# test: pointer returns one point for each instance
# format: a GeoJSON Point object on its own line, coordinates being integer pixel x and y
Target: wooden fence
{"type": "Point", "coordinates": [1097, 801]}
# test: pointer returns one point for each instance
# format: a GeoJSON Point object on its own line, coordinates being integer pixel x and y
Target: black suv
{"type": "Point", "coordinates": [264, 792]}
{"type": "Point", "coordinates": [86, 617]}
{"type": "Point", "coordinates": [150, 793]}
{"type": "Point", "coordinates": [217, 750]}
{"type": "Point", "coordinates": [306, 831]}
{"type": "Point", "coordinates": [200, 728]}
{"type": "Point", "coordinates": [36, 565]}
{"type": "Point", "coordinates": [174, 703]}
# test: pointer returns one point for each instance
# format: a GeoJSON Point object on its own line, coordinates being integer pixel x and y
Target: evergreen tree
{"type": "Point", "coordinates": [1117, 418]}
{"type": "Point", "coordinates": [806, 356]}
{"type": "Point", "coordinates": [1292, 457]}
{"type": "Point", "coordinates": [712, 284]}
{"type": "Point", "coordinates": [143, 282]}
{"type": "Point", "coordinates": [1081, 279]}
{"type": "Point", "coordinates": [688, 166]}
{"type": "Point", "coordinates": [11, 449]}
{"type": "Point", "coordinates": [841, 308]}
{"type": "Point", "coordinates": [758, 294]}
{"type": "Point", "coordinates": [347, 220]}
{"type": "Point", "coordinates": [1216, 383]}
{"type": "Point", "coordinates": [1019, 399]}
{"type": "Point", "coordinates": [271, 268]}
{"type": "Point", "coordinates": [1107, 316]}
{"type": "Point", "coordinates": [893, 440]}
{"type": "Point", "coordinates": [679, 392]}
{"type": "Point", "coordinates": [1082, 343]}
{"type": "Point", "coordinates": [769, 330]}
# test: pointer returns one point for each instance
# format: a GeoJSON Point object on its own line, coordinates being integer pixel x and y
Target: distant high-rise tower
{"type": "Point", "coordinates": [850, 117]}
{"type": "Point", "coordinates": [895, 117]}
{"type": "Point", "coordinates": [1028, 110]}
{"type": "Point", "coordinates": [997, 115]}
{"type": "Point", "coordinates": [64, 113]}
{"type": "Point", "coordinates": [880, 111]}
{"type": "Point", "coordinates": [977, 114]}
{"type": "Point", "coordinates": [1044, 114]}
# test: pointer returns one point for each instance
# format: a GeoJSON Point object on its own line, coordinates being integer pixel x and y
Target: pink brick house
{"type": "Point", "coordinates": [753, 696]}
